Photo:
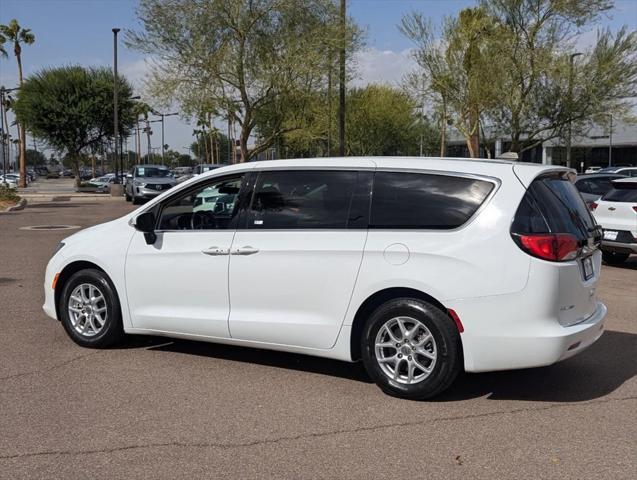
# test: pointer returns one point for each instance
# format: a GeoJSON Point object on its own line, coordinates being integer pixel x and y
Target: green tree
{"type": "Point", "coordinates": [539, 97]}
{"type": "Point", "coordinates": [241, 57]}
{"type": "Point", "coordinates": [460, 68]}
{"type": "Point", "coordinates": [70, 108]}
{"type": "Point", "coordinates": [13, 32]}
{"type": "Point", "coordinates": [35, 157]}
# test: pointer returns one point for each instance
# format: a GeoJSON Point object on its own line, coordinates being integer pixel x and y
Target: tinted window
{"type": "Point", "coordinates": [595, 186]}
{"type": "Point", "coordinates": [622, 192]}
{"type": "Point", "coordinates": [415, 200]}
{"type": "Point", "coordinates": [302, 199]}
{"type": "Point", "coordinates": [552, 204]}
{"type": "Point", "coordinates": [211, 206]}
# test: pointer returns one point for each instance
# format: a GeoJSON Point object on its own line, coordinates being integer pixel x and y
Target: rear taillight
{"type": "Point", "coordinates": [592, 206]}
{"type": "Point", "coordinates": [635, 208]}
{"type": "Point", "coordinates": [556, 247]}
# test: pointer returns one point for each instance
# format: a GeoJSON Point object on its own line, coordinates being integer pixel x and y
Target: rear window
{"type": "Point", "coordinates": [622, 192]}
{"type": "Point", "coordinates": [552, 204]}
{"type": "Point", "coordinates": [425, 201]}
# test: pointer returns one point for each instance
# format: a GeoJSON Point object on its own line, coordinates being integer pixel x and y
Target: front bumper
{"type": "Point", "coordinates": [619, 247]}
{"type": "Point", "coordinates": [145, 192]}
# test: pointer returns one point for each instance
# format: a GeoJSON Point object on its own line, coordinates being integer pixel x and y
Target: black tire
{"type": "Point", "coordinates": [614, 258]}
{"type": "Point", "coordinates": [128, 197]}
{"type": "Point", "coordinates": [447, 341]}
{"type": "Point", "coordinates": [112, 330]}
{"type": "Point", "coordinates": [136, 201]}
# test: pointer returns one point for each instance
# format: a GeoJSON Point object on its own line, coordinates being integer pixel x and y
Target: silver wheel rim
{"type": "Point", "coordinates": [87, 310]}
{"type": "Point", "coordinates": [405, 350]}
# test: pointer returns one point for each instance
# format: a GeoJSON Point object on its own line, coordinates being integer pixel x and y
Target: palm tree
{"type": "Point", "coordinates": [13, 32]}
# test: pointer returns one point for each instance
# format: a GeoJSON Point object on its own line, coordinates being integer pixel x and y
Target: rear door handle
{"type": "Point", "coordinates": [247, 250]}
{"type": "Point", "coordinates": [215, 251]}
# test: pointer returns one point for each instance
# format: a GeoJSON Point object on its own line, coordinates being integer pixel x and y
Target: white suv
{"type": "Point", "coordinates": [616, 212]}
{"type": "Point", "coordinates": [418, 267]}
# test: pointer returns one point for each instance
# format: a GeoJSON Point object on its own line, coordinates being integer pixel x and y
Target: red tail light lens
{"type": "Point", "coordinates": [554, 247]}
{"type": "Point", "coordinates": [592, 206]}
{"type": "Point", "coordinates": [635, 208]}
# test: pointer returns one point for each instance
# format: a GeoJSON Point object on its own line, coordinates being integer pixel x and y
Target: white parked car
{"type": "Point", "coordinates": [616, 212]}
{"type": "Point", "coordinates": [10, 180]}
{"type": "Point", "coordinates": [418, 267]}
{"type": "Point", "coordinates": [592, 169]}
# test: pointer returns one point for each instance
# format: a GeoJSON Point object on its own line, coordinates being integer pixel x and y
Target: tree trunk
{"type": "Point", "coordinates": [76, 169]}
{"type": "Point", "coordinates": [23, 137]}
{"type": "Point", "coordinates": [474, 137]}
{"type": "Point", "coordinates": [443, 128]}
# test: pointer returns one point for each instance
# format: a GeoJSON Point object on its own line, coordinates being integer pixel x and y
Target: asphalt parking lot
{"type": "Point", "coordinates": [157, 408]}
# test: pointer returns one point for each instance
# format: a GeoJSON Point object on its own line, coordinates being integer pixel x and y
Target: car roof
{"type": "Point", "coordinates": [600, 175]}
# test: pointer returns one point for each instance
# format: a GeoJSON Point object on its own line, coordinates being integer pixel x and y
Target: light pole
{"type": "Point", "coordinates": [570, 106]}
{"type": "Point", "coordinates": [163, 143]}
{"type": "Point", "coordinates": [610, 140]}
{"type": "Point", "coordinates": [115, 92]}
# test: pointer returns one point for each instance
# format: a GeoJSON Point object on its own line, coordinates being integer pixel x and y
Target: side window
{"type": "Point", "coordinates": [211, 206]}
{"type": "Point", "coordinates": [427, 201]}
{"type": "Point", "coordinates": [302, 199]}
{"type": "Point", "coordinates": [584, 186]}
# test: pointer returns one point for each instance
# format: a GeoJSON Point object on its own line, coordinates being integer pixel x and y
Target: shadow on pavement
{"type": "Point", "coordinates": [630, 264]}
{"type": "Point", "coordinates": [594, 373]}
{"type": "Point", "coordinates": [304, 363]}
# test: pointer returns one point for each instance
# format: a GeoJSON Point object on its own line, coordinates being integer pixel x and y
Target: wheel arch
{"type": "Point", "coordinates": [67, 272]}
{"type": "Point", "coordinates": [374, 301]}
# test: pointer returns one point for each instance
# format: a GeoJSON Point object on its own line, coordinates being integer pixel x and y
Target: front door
{"type": "Point", "coordinates": [295, 259]}
{"type": "Point", "coordinates": [180, 283]}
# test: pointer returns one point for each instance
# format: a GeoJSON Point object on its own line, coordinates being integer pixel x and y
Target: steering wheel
{"type": "Point", "coordinates": [202, 220]}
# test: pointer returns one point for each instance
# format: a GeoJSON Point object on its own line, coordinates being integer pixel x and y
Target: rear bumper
{"type": "Point", "coordinates": [540, 343]}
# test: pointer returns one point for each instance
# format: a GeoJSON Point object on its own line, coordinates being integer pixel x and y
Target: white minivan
{"type": "Point", "coordinates": [419, 267]}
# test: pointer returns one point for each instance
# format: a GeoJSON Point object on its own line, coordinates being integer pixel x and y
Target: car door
{"type": "Point", "coordinates": [180, 282]}
{"type": "Point", "coordinates": [294, 264]}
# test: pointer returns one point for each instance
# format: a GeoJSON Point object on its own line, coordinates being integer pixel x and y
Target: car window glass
{"type": "Point", "coordinates": [302, 199]}
{"type": "Point", "coordinates": [155, 172]}
{"type": "Point", "coordinates": [211, 206]}
{"type": "Point", "coordinates": [418, 200]}
{"type": "Point", "coordinates": [622, 192]}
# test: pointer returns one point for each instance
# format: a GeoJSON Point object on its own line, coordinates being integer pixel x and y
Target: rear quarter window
{"type": "Point", "coordinates": [403, 200]}
{"type": "Point", "coordinates": [552, 204]}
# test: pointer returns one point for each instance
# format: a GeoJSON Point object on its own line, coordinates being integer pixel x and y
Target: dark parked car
{"type": "Point", "coordinates": [593, 186]}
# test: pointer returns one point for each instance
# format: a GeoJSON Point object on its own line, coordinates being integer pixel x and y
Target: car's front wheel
{"type": "Point", "coordinates": [90, 310]}
{"type": "Point", "coordinates": [614, 258]}
{"type": "Point", "coordinates": [411, 349]}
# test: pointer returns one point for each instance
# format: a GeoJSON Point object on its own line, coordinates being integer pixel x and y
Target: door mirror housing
{"type": "Point", "coordinates": [129, 175]}
{"type": "Point", "coordinates": [145, 223]}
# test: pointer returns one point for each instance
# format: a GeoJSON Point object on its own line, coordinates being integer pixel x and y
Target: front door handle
{"type": "Point", "coordinates": [215, 251]}
{"type": "Point", "coordinates": [247, 250]}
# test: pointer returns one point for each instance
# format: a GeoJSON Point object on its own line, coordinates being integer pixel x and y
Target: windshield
{"type": "Point", "coordinates": [147, 172]}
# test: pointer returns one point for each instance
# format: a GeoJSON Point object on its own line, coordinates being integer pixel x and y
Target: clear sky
{"type": "Point", "coordinates": [79, 32]}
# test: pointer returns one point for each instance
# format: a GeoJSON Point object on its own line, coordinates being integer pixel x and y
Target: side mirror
{"type": "Point", "coordinates": [129, 175]}
{"type": "Point", "coordinates": [145, 223]}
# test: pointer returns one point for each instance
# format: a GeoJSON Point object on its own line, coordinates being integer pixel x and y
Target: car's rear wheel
{"type": "Point", "coordinates": [136, 201]}
{"type": "Point", "coordinates": [614, 258]}
{"type": "Point", "coordinates": [411, 349]}
{"type": "Point", "coordinates": [90, 310]}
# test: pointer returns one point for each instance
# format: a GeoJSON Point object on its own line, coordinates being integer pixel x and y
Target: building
{"type": "Point", "coordinates": [592, 149]}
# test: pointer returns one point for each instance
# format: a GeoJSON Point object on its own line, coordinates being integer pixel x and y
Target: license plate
{"type": "Point", "coordinates": [610, 235]}
{"type": "Point", "coordinates": [588, 267]}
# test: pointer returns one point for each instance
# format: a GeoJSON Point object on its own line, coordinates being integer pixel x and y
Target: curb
{"type": "Point", "coordinates": [20, 206]}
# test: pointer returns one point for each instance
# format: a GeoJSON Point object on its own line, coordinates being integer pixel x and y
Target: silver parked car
{"type": "Point", "coordinates": [147, 181]}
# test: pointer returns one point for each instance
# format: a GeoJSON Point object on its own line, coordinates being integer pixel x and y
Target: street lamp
{"type": "Point", "coordinates": [163, 143]}
{"type": "Point", "coordinates": [570, 106]}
